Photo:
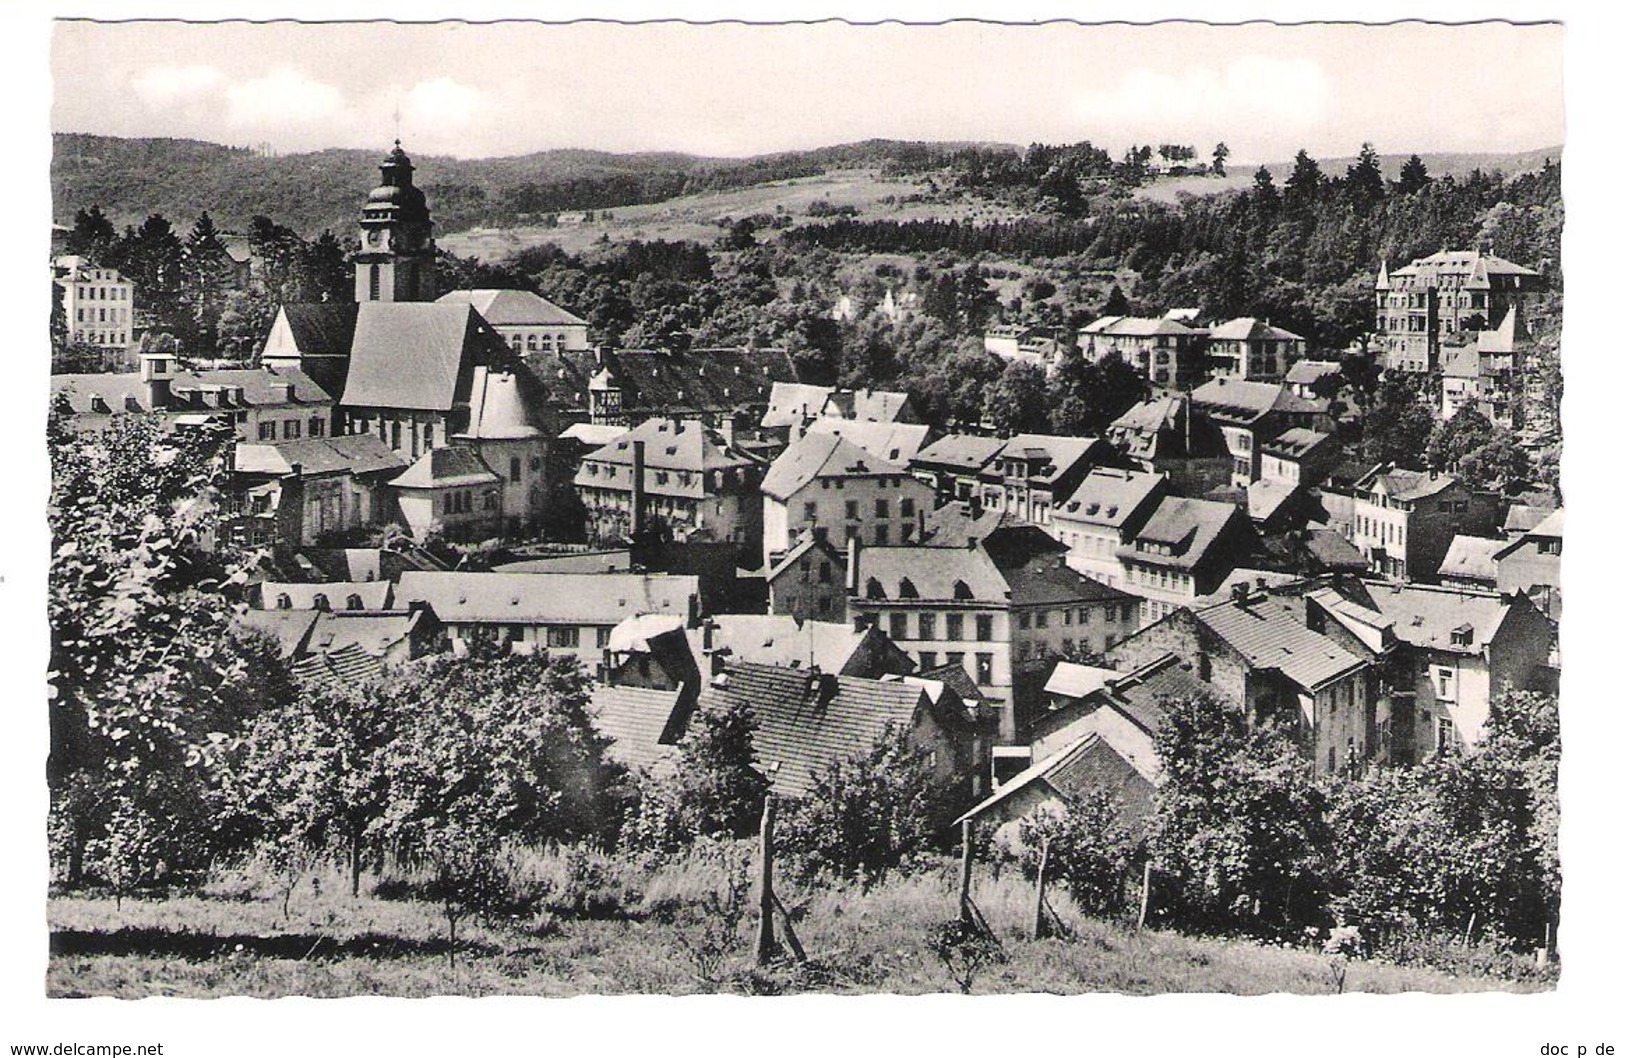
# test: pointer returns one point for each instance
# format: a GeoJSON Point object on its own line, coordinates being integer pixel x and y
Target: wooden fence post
{"type": "Point", "coordinates": [1145, 893]}
{"type": "Point", "coordinates": [1040, 924]}
{"type": "Point", "coordinates": [964, 872]}
{"type": "Point", "coordinates": [766, 946]}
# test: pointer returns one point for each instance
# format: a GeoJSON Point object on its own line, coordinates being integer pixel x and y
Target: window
{"type": "Point", "coordinates": [956, 625]}
{"type": "Point", "coordinates": [290, 429]}
{"type": "Point", "coordinates": [882, 508]}
{"type": "Point", "coordinates": [353, 602]}
{"type": "Point", "coordinates": [373, 284]}
{"type": "Point", "coordinates": [1067, 646]}
{"type": "Point", "coordinates": [601, 637]}
{"type": "Point", "coordinates": [566, 636]}
{"type": "Point", "coordinates": [513, 468]}
{"type": "Point", "coordinates": [984, 627]}
{"type": "Point", "coordinates": [906, 589]}
{"type": "Point", "coordinates": [956, 657]}
{"type": "Point", "coordinates": [928, 626]}
{"type": "Point", "coordinates": [882, 535]}
{"type": "Point", "coordinates": [810, 512]}
{"type": "Point", "coordinates": [851, 510]}
{"type": "Point", "coordinates": [268, 431]}
{"type": "Point", "coordinates": [1025, 620]}
{"type": "Point", "coordinates": [283, 602]}
{"type": "Point", "coordinates": [1445, 680]}
{"type": "Point", "coordinates": [962, 592]}
{"type": "Point", "coordinates": [928, 659]}
{"type": "Point", "coordinates": [872, 589]}
{"type": "Point", "coordinates": [1083, 616]}
{"type": "Point", "coordinates": [905, 507]}
{"type": "Point", "coordinates": [1041, 619]}
{"type": "Point", "coordinates": [319, 602]}
{"type": "Point", "coordinates": [984, 669]}
{"type": "Point", "coordinates": [395, 435]}
{"type": "Point", "coordinates": [1111, 640]}
{"type": "Point", "coordinates": [899, 625]}
{"type": "Point", "coordinates": [317, 427]}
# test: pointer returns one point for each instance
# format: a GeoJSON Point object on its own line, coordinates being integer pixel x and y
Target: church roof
{"type": "Point", "coordinates": [416, 355]}
{"type": "Point", "coordinates": [502, 406]}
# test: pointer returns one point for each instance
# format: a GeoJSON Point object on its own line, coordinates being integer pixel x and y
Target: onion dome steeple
{"type": "Point", "coordinates": [395, 261]}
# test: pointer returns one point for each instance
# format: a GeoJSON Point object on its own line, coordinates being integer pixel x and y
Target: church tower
{"type": "Point", "coordinates": [396, 258]}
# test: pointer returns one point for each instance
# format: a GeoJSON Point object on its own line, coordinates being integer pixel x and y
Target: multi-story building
{"type": "Point", "coordinates": [1403, 520]}
{"type": "Point", "coordinates": [793, 406]}
{"type": "Point", "coordinates": [809, 581]}
{"type": "Point", "coordinates": [1448, 293]}
{"type": "Point", "coordinates": [826, 482]}
{"type": "Point", "coordinates": [1166, 435]}
{"type": "Point", "coordinates": [1250, 413]}
{"type": "Point", "coordinates": [1184, 551]}
{"type": "Point", "coordinates": [562, 613]}
{"type": "Point", "coordinates": [1258, 652]}
{"type": "Point", "coordinates": [1532, 564]}
{"type": "Point", "coordinates": [98, 303]}
{"type": "Point", "coordinates": [674, 477]}
{"type": "Point", "coordinates": [952, 465]}
{"type": "Point", "coordinates": [265, 404]}
{"type": "Point", "coordinates": [990, 607]}
{"type": "Point", "coordinates": [1033, 472]}
{"type": "Point", "coordinates": [1299, 458]}
{"type": "Point", "coordinates": [295, 493]}
{"type": "Point", "coordinates": [1039, 346]}
{"type": "Point", "coordinates": [1167, 352]}
{"type": "Point", "coordinates": [1249, 348]}
{"type": "Point", "coordinates": [1487, 372]}
{"type": "Point", "coordinates": [1103, 515]}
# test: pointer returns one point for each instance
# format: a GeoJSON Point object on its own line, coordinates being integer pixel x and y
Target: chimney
{"type": "Point", "coordinates": [726, 429]}
{"type": "Point", "coordinates": [158, 372]}
{"type": "Point", "coordinates": [1238, 592]}
{"type": "Point", "coordinates": [852, 548]}
{"type": "Point", "coordinates": [636, 529]}
{"type": "Point", "coordinates": [971, 542]}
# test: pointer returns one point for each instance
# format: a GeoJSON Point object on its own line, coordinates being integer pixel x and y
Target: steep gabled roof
{"type": "Point", "coordinates": [1110, 497]}
{"type": "Point", "coordinates": [793, 403]}
{"type": "Point", "coordinates": [1033, 564]}
{"type": "Point", "coordinates": [1433, 617]}
{"type": "Point", "coordinates": [344, 453]}
{"type": "Point", "coordinates": [374, 594]}
{"type": "Point", "coordinates": [1246, 401]}
{"type": "Point", "coordinates": [374, 632]}
{"type": "Point", "coordinates": [1295, 443]}
{"type": "Point", "coordinates": [1248, 328]}
{"type": "Point", "coordinates": [290, 628]}
{"type": "Point", "coordinates": [1188, 527]}
{"type": "Point", "coordinates": [1308, 372]}
{"type": "Point", "coordinates": [1087, 764]}
{"type": "Point", "coordinates": [894, 442]}
{"type": "Point", "coordinates": [637, 721]}
{"type": "Point", "coordinates": [934, 572]}
{"type": "Point", "coordinates": [504, 405]}
{"type": "Point", "coordinates": [806, 721]}
{"type": "Point", "coordinates": [1057, 454]}
{"type": "Point", "coordinates": [684, 447]}
{"type": "Point", "coordinates": [343, 669]}
{"type": "Point", "coordinates": [326, 327]}
{"type": "Point", "coordinates": [818, 455]}
{"type": "Point", "coordinates": [1270, 633]}
{"type": "Point", "coordinates": [1471, 558]}
{"type": "Point", "coordinates": [417, 355]}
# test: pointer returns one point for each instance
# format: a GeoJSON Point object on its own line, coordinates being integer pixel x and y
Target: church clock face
{"type": "Point", "coordinates": [374, 237]}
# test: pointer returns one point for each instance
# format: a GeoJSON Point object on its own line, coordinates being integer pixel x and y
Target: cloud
{"type": "Point", "coordinates": [286, 94]}
{"type": "Point", "coordinates": [1251, 91]}
{"type": "Point", "coordinates": [442, 101]}
{"type": "Point", "coordinates": [161, 86]}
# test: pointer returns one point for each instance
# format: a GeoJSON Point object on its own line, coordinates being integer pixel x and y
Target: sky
{"type": "Point", "coordinates": [484, 90]}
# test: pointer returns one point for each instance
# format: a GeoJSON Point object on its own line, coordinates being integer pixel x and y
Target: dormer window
{"type": "Point", "coordinates": [283, 602]}
{"type": "Point", "coordinates": [1461, 636]}
{"type": "Point", "coordinates": [320, 602]}
{"type": "Point", "coordinates": [962, 592]}
{"type": "Point", "coordinates": [873, 590]}
{"type": "Point", "coordinates": [906, 589]}
{"type": "Point", "coordinates": [354, 602]}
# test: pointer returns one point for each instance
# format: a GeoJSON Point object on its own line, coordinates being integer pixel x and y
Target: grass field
{"type": "Point", "coordinates": [696, 217]}
{"type": "Point", "coordinates": [654, 933]}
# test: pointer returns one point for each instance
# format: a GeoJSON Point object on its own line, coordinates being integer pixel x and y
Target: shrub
{"type": "Point", "coordinates": [1088, 850]}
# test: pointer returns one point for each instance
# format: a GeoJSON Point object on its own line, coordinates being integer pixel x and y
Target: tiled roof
{"type": "Point", "coordinates": [669, 444]}
{"type": "Point", "coordinates": [868, 405]}
{"type": "Point", "coordinates": [819, 455]}
{"type": "Point", "coordinates": [417, 355]}
{"type": "Point", "coordinates": [345, 453]}
{"type": "Point", "coordinates": [1074, 681]}
{"type": "Point", "coordinates": [1109, 496]}
{"type": "Point", "coordinates": [1471, 558]}
{"type": "Point", "coordinates": [672, 382]}
{"type": "Point", "coordinates": [963, 452]}
{"type": "Point", "coordinates": [547, 598]}
{"type": "Point", "coordinates": [1407, 485]}
{"type": "Point", "coordinates": [1266, 498]}
{"type": "Point", "coordinates": [1462, 363]}
{"type": "Point", "coordinates": [290, 628]}
{"type": "Point", "coordinates": [1137, 326]}
{"type": "Point", "coordinates": [612, 560]}
{"type": "Point", "coordinates": [1522, 517]}
{"type": "Point", "coordinates": [1461, 262]}
{"type": "Point", "coordinates": [1246, 400]}
{"type": "Point", "coordinates": [1308, 372]}
{"type": "Point", "coordinates": [591, 434]}
{"type": "Point", "coordinates": [894, 442]}
{"type": "Point", "coordinates": [1427, 616]}
{"type": "Point", "coordinates": [806, 542]}
{"type": "Point", "coordinates": [1296, 443]}
{"type": "Point", "coordinates": [635, 719]}
{"type": "Point", "coordinates": [1034, 565]}
{"type": "Point", "coordinates": [323, 327]}
{"type": "Point", "coordinates": [190, 390]}
{"type": "Point", "coordinates": [452, 466]}
{"type": "Point", "coordinates": [1269, 632]}
{"type": "Point", "coordinates": [793, 403]}
{"type": "Point", "coordinates": [781, 640]}
{"type": "Point", "coordinates": [513, 308]}
{"type": "Point", "coordinates": [1087, 764]}
{"type": "Point", "coordinates": [933, 572]}
{"type": "Point", "coordinates": [1141, 693]}
{"type": "Point", "coordinates": [808, 721]}
{"type": "Point", "coordinates": [1333, 551]}
{"type": "Point", "coordinates": [958, 522]}
{"type": "Point", "coordinates": [374, 633]}
{"type": "Point", "coordinates": [374, 594]}
{"type": "Point", "coordinates": [1248, 328]}
{"type": "Point", "coordinates": [1188, 527]}
{"type": "Point", "coordinates": [953, 676]}
{"type": "Point", "coordinates": [1059, 454]}
{"type": "Point", "coordinates": [343, 669]}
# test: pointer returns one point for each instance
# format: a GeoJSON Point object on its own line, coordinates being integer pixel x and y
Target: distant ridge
{"type": "Point", "coordinates": [131, 178]}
